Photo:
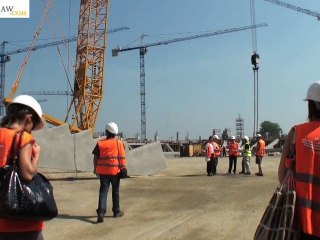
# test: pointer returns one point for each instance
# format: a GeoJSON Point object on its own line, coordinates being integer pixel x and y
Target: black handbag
{"type": "Point", "coordinates": [22, 200]}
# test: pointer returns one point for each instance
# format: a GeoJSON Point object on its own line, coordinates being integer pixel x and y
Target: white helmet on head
{"type": "Point", "coordinates": [246, 138]}
{"type": "Point", "coordinates": [258, 135]}
{"type": "Point", "coordinates": [112, 128]}
{"type": "Point", "coordinates": [216, 137]}
{"type": "Point", "coordinates": [233, 138]}
{"type": "Point", "coordinates": [29, 101]}
{"type": "Point", "coordinates": [313, 92]}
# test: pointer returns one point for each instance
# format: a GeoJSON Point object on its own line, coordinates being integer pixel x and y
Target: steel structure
{"type": "Point", "coordinates": [90, 59]}
{"type": "Point", "coordinates": [143, 51]}
{"type": "Point", "coordinates": [293, 7]}
{"type": "Point", "coordinates": [55, 93]}
{"type": "Point", "coordinates": [5, 57]}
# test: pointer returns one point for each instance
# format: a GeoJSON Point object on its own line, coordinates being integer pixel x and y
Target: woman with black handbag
{"type": "Point", "coordinates": [24, 115]}
{"type": "Point", "coordinates": [303, 144]}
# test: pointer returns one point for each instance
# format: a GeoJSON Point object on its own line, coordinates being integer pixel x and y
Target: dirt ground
{"type": "Point", "coordinates": [181, 202]}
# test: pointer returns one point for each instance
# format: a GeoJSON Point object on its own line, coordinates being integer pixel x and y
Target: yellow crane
{"type": "Point", "coordinates": [89, 68]}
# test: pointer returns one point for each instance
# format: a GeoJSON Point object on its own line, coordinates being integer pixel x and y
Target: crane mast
{"type": "Point", "coordinates": [89, 68]}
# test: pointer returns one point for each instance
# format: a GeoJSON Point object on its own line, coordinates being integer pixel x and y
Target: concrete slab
{"type": "Point", "coordinates": [73, 152]}
{"type": "Point", "coordinates": [146, 160]}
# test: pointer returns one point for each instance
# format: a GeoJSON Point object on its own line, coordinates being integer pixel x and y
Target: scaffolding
{"type": "Point", "coordinates": [239, 127]}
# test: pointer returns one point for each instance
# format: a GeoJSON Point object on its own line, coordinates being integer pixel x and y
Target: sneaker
{"type": "Point", "coordinates": [242, 172]}
{"type": "Point", "coordinates": [259, 174]}
{"type": "Point", "coordinates": [100, 218]}
{"type": "Point", "coordinates": [118, 214]}
{"type": "Point", "coordinates": [247, 173]}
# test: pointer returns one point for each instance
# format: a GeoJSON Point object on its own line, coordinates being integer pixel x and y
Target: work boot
{"type": "Point", "coordinates": [100, 218]}
{"type": "Point", "coordinates": [118, 214]}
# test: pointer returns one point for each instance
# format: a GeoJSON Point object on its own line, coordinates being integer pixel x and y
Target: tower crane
{"type": "Point", "coordinates": [89, 67]}
{"type": "Point", "coordinates": [143, 50]}
{"type": "Point", "coordinates": [5, 57]}
{"type": "Point", "coordinates": [293, 7]}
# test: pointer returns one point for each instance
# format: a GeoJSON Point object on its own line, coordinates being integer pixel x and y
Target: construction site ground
{"type": "Point", "coordinates": [180, 202]}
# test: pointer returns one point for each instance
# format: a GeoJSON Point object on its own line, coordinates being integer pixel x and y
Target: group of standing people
{"type": "Point", "coordinates": [213, 149]}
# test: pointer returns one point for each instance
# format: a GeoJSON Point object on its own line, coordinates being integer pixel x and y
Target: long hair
{"type": "Point", "coordinates": [313, 111]}
{"type": "Point", "coordinates": [17, 112]}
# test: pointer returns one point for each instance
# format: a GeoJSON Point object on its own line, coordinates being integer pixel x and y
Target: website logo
{"type": "Point", "coordinates": [14, 8]}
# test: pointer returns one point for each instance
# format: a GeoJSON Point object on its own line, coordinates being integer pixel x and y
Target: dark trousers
{"type": "Point", "coordinates": [211, 166]}
{"type": "Point", "coordinates": [21, 235]}
{"type": "Point", "coordinates": [105, 181]}
{"type": "Point", "coordinates": [305, 236]}
{"type": "Point", "coordinates": [232, 161]}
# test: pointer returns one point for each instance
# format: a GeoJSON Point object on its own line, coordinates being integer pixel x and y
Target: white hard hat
{"type": "Point", "coordinates": [313, 92]}
{"type": "Point", "coordinates": [246, 138]}
{"type": "Point", "coordinates": [216, 137]}
{"type": "Point", "coordinates": [29, 101]}
{"type": "Point", "coordinates": [233, 138]}
{"type": "Point", "coordinates": [258, 135]}
{"type": "Point", "coordinates": [112, 128]}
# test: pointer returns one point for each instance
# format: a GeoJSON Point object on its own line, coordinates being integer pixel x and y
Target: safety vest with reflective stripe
{"type": "Point", "coordinates": [209, 150]}
{"type": "Point", "coordinates": [307, 176]}
{"type": "Point", "coordinates": [247, 150]}
{"type": "Point", "coordinates": [216, 149]}
{"type": "Point", "coordinates": [233, 149]}
{"type": "Point", "coordinates": [111, 157]}
{"type": "Point", "coordinates": [262, 148]}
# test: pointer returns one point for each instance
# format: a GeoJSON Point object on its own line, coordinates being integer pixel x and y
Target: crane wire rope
{"type": "Point", "coordinates": [255, 70]}
{"type": "Point", "coordinates": [57, 46]}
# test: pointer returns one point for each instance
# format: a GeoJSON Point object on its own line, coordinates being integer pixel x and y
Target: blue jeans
{"type": "Point", "coordinates": [105, 181]}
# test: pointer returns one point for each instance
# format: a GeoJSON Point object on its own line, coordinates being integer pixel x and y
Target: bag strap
{"type": "Point", "coordinates": [118, 157]}
{"type": "Point", "coordinates": [14, 150]}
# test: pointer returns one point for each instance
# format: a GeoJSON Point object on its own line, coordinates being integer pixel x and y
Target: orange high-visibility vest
{"type": "Point", "coordinates": [233, 149]}
{"type": "Point", "coordinates": [262, 148]}
{"type": "Point", "coordinates": [216, 149]}
{"type": "Point", "coordinates": [307, 176]}
{"type": "Point", "coordinates": [6, 137]}
{"type": "Point", "coordinates": [209, 150]}
{"type": "Point", "coordinates": [111, 157]}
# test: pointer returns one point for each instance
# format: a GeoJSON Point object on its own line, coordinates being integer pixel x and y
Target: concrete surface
{"type": "Point", "coordinates": [179, 203]}
{"type": "Point", "coordinates": [73, 152]}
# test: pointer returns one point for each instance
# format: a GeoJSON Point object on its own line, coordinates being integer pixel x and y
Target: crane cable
{"type": "Point", "coordinates": [58, 48]}
{"type": "Point", "coordinates": [253, 30]}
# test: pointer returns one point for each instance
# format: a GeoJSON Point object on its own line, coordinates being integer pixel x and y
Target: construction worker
{"type": "Point", "coordinates": [216, 153]}
{"type": "Point", "coordinates": [209, 156]}
{"type": "Point", "coordinates": [24, 115]}
{"type": "Point", "coordinates": [302, 146]}
{"type": "Point", "coordinates": [233, 154]}
{"type": "Point", "coordinates": [109, 158]}
{"type": "Point", "coordinates": [246, 156]}
{"type": "Point", "coordinates": [260, 151]}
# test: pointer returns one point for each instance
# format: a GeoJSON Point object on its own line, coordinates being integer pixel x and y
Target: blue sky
{"type": "Point", "coordinates": [192, 86]}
